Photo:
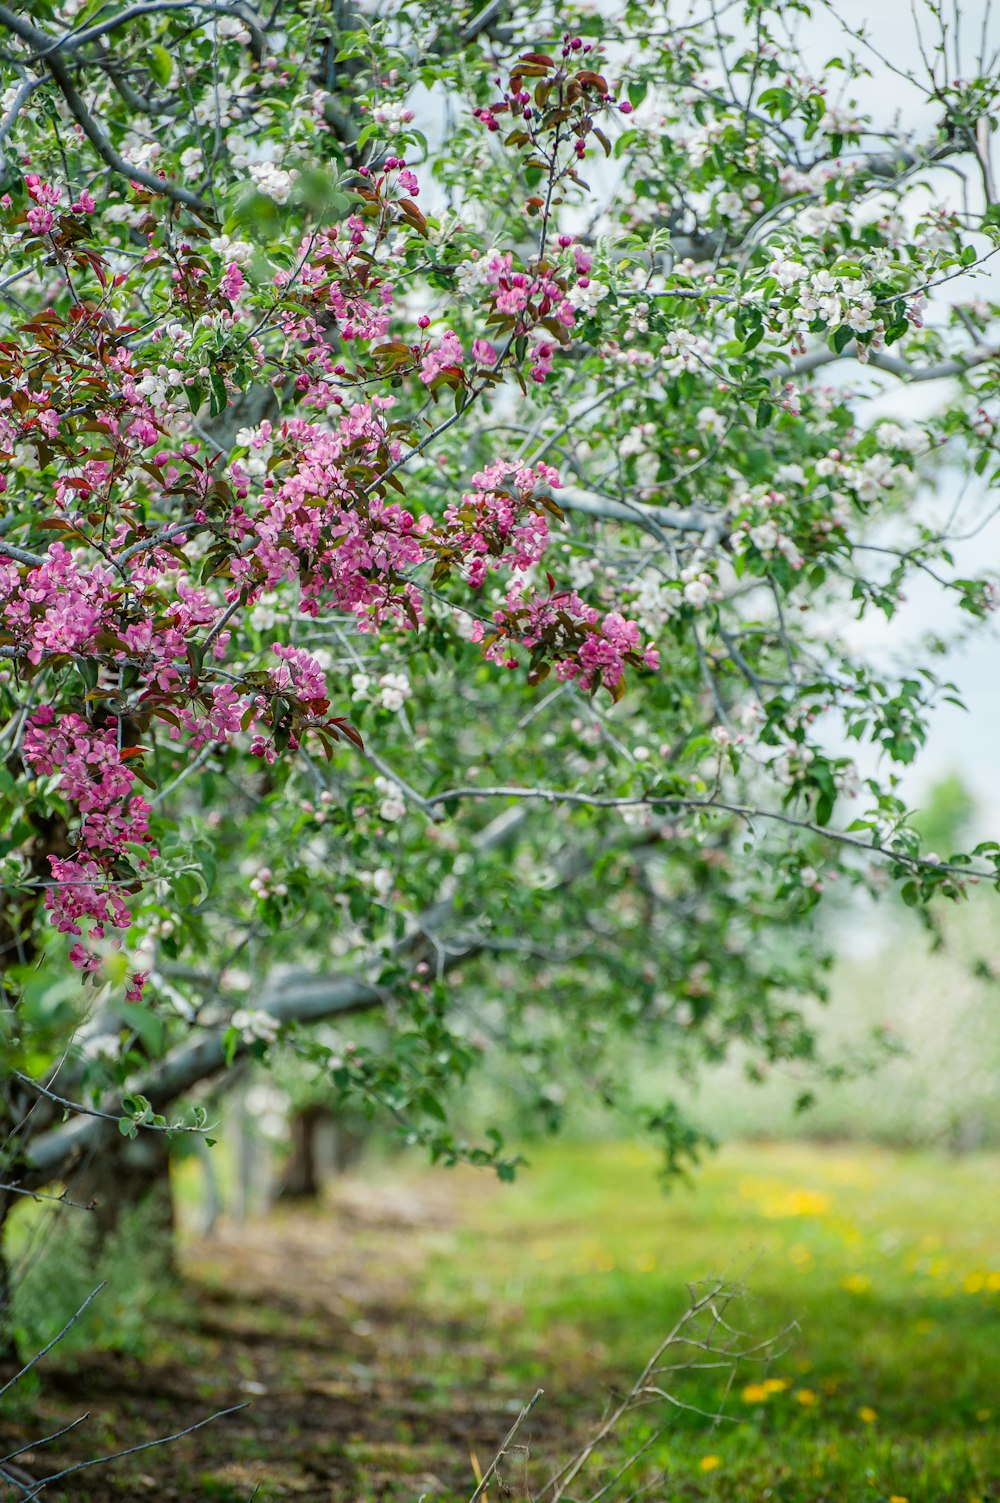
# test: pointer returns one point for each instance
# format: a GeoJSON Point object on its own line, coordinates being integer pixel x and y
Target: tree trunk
{"type": "Point", "coordinates": [323, 1143]}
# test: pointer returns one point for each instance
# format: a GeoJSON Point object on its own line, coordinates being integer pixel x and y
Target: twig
{"type": "Point", "coordinates": [33, 1445]}
{"type": "Point", "coordinates": [147, 1445]}
{"type": "Point", "coordinates": [484, 1480]}
{"type": "Point", "coordinates": [60, 1200]}
{"type": "Point", "coordinates": [708, 805]}
{"type": "Point", "coordinates": [54, 1342]}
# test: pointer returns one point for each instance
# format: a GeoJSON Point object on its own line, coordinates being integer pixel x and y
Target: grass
{"type": "Point", "coordinates": [889, 1264]}
{"type": "Point", "coordinates": [386, 1339]}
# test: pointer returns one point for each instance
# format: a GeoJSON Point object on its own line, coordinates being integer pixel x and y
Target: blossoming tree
{"type": "Point", "coordinates": [439, 450]}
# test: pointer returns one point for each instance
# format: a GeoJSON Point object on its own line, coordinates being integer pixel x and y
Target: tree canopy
{"type": "Point", "coordinates": [440, 459]}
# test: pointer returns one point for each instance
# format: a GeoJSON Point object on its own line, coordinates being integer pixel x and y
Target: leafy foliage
{"type": "Point", "coordinates": [333, 524]}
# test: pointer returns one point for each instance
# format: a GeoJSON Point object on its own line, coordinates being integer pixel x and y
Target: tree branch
{"type": "Point", "coordinates": [652, 518]}
{"type": "Point", "coordinates": [74, 39]}
{"type": "Point", "coordinates": [978, 355]}
{"type": "Point", "coordinates": [60, 73]}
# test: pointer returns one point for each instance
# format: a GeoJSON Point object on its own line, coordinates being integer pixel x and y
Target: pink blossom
{"type": "Point", "coordinates": [447, 355]}
{"type": "Point", "coordinates": [232, 283]}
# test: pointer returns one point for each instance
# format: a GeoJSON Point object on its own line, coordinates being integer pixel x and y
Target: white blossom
{"type": "Point", "coordinates": [253, 1024]}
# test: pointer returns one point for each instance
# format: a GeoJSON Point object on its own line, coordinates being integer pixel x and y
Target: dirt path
{"type": "Point", "coordinates": [354, 1389]}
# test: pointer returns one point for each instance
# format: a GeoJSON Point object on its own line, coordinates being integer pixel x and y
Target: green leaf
{"type": "Point", "coordinates": [161, 64]}
{"type": "Point", "coordinates": [220, 396]}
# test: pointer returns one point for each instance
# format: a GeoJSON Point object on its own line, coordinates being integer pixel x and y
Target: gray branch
{"type": "Point", "coordinates": [652, 518]}
{"type": "Point", "coordinates": [60, 73]}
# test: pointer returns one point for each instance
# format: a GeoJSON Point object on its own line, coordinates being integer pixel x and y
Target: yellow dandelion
{"type": "Point", "coordinates": [645, 1263]}
{"type": "Point", "coordinates": [856, 1283]}
{"type": "Point", "coordinates": [789, 1203]}
{"type": "Point", "coordinates": [805, 1397]}
{"type": "Point", "coordinates": [709, 1463]}
{"type": "Point", "coordinates": [993, 1280]}
{"type": "Point", "coordinates": [897, 1498]}
{"type": "Point", "coordinates": [774, 1385]}
{"type": "Point", "coordinates": [755, 1393]}
{"type": "Point", "coordinates": [867, 1415]}
{"type": "Point", "coordinates": [974, 1283]}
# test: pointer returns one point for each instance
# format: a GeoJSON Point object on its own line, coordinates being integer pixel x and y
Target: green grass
{"type": "Point", "coordinates": [888, 1263]}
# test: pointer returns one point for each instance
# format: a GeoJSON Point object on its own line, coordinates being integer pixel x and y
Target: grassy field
{"type": "Point", "coordinates": [381, 1344]}
{"type": "Point", "coordinates": [889, 1264]}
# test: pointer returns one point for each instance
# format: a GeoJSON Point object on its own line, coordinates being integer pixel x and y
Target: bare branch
{"type": "Point", "coordinates": [54, 1342]}
{"type": "Point", "coordinates": [484, 1480]}
{"type": "Point", "coordinates": [710, 805]}
{"type": "Point", "coordinates": [22, 555]}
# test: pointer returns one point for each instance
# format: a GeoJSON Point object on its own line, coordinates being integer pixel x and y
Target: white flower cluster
{"type": "Point", "coordinates": [264, 886]}
{"type": "Point", "coordinates": [259, 451]}
{"type": "Point", "coordinates": [731, 205]}
{"type": "Point", "coordinates": [392, 116]}
{"type": "Point", "coordinates": [697, 587]}
{"type": "Point", "coordinates": [394, 691]}
{"type": "Point", "coordinates": [159, 386]}
{"type": "Point", "coordinates": [259, 158]}
{"type": "Point", "coordinates": [587, 298]}
{"type": "Point", "coordinates": [685, 351]}
{"type": "Point", "coordinates": [382, 881]}
{"type": "Point", "coordinates": [815, 180]}
{"type": "Point", "coordinates": [637, 439]}
{"type": "Point", "coordinates": [580, 572]}
{"type": "Point", "coordinates": [654, 602]}
{"type": "Point", "coordinates": [391, 690]}
{"type": "Point", "coordinates": [231, 28]}
{"type": "Point", "coordinates": [700, 142]}
{"type": "Point", "coordinates": [253, 1024]}
{"type": "Point", "coordinates": [239, 251]}
{"type": "Point", "coordinates": [266, 613]}
{"type": "Point", "coordinates": [392, 806]}
{"type": "Point", "coordinates": [140, 152]}
{"type": "Point", "coordinates": [840, 122]}
{"type": "Point", "coordinates": [838, 300]}
{"type": "Point", "coordinates": [896, 437]}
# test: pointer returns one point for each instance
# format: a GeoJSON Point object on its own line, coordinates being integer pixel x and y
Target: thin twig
{"type": "Point", "coordinates": [484, 1480]}
{"type": "Point", "coordinates": [54, 1342]}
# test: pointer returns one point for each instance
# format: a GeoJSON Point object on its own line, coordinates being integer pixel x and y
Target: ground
{"type": "Point", "coordinates": [384, 1343]}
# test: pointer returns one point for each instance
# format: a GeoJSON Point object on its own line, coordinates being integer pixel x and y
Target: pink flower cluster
{"type": "Point", "coordinates": [564, 630]}
{"type": "Point", "coordinates": [58, 606]}
{"type": "Point", "coordinates": [45, 196]}
{"type": "Point", "coordinates": [500, 520]}
{"type": "Point", "coordinates": [448, 354]}
{"type": "Point", "coordinates": [93, 777]}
